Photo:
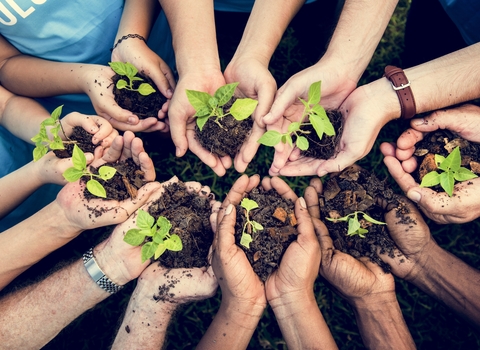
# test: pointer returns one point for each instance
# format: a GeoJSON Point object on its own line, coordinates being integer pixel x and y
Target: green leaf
{"type": "Point", "coordinates": [158, 237]}
{"type": "Point", "coordinates": [39, 152]}
{"type": "Point", "coordinates": [248, 204]}
{"type": "Point", "coordinates": [121, 84]}
{"type": "Point", "coordinates": [72, 174]}
{"type": "Point", "coordinates": [49, 122]}
{"type": "Point", "coordinates": [294, 126]}
{"type": "Point", "coordinates": [447, 182]}
{"type": "Point", "coordinates": [130, 70]}
{"type": "Point", "coordinates": [246, 240]}
{"type": "Point", "coordinates": [343, 218]}
{"type": "Point", "coordinates": [106, 172]}
{"type": "Point", "coordinates": [320, 111]}
{"type": "Point", "coordinates": [212, 103]}
{"type": "Point", "coordinates": [201, 121]}
{"type": "Point", "coordinates": [361, 232]}
{"type": "Point", "coordinates": [203, 112]}
{"type": "Point", "coordinates": [289, 140]}
{"type": "Point", "coordinates": [145, 89]}
{"type": "Point", "coordinates": [134, 237]}
{"type": "Point", "coordinates": [353, 226]}
{"type": "Point", "coordinates": [318, 124]}
{"type": "Point", "coordinates": [198, 99]}
{"type": "Point", "coordinates": [439, 159]}
{"type": "Point", "coordinates": [243, 108]}
{"type": "Point", "coordinates": [57, 143]}
{"type": "Point", "coordinates": [132, 79]}
{"type": "Point", "coordinates": [305, 103]}
{"type": "Point", "coordinates": [118, 67]}
{"type": "Point", "coordinates": [57, 112]}
{"type": "Point", "coordinates": [256, 226]}
{"type": "Point", "coordinates": [225, 93]}
{"type": "Point", "coordinates": [463, 174]}
{"type": "Point", "coordinates": [164, 225]}
{"type": "Point", "coordinates": [302, 143]}
{"type": "Point", "coordinates": [159, 251]}
{"type": "Point", "coordinates": [430, 179]}
{"type": "Point", "coordinates": [174, 243]}
{"type": "Point", "coordinates": [453, 161]}
{"type": "Point", "coordinates": [328, 127]}
{"type": "Point", "coordinates": [314, 93]}
{"type": "Point", "coordinates": [270, 138]}
{"type": "Point", "coordinates": [95, 188]}
{"type": "Point", "coordinates": [372, 220]}
{"type": "Point", "coordinates": [78, 158]}
{"type": "Point", "coordinates": [144, 219]}
{"type": "Point", "coordinates": [148, 249]}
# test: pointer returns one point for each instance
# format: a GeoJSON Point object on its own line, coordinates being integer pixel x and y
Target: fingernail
{"type": "Point", "coordinates": [322, 173]}
{"type": "Point", "coordinates": [132, 120]}
{"type": "Point", "coordinates": [414, 196]}
{"type": "Point", "coordinates": [267, 118]}
{"type": "Point", "coordinates": [88, 157]}
{"type": "Point", "coordinates": [229, 209]}
{"type": "Point", "coordinates": [302, 203]}
{"type": "Point", "coordinates": [419, 121]}
{"type": "Point", "coordinates": [169, 93]}
{"type": "Point", "coordinates": [178, 152]}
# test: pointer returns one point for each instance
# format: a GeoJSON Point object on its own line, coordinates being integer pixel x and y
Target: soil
{"type": "Point", "coordinates": [443, 142]}
{"type": "Point", "coordinates": [356, 189]}
{"type": "Point", "coordinates": [81, 138]}
{"type": "Point", "coordinates": [326, 147]}
{"type": "Point", "coordinates": [142, 106]}
{"type": "Point", "coordinates": [276, 215]}
{"type": "Point", "coordinates": [123, 185]}
{"type": "Point", "coordinates": [227, 139]}
{"type": "Point", "coordinates": [189, 214]}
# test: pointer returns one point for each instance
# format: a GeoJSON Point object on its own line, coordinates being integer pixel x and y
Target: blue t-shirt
{"type": "Point", "coordinates": [466, 16]}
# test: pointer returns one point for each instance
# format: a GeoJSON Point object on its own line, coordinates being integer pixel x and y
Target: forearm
{"type": "Point", "coordinates": [144, 327]}
{"type": "Point", "coordinates": [447, 278]}
{"type": "Point", "coordinates": [302, 324]}
{"type": "Point", "coordinates": [137, 18]}
{"type": "Point", "coordinates": [41, 311]}
{"type": "Point", "coordinates": [232, 328]}
{"type": "Point", "coordinates": [32, 239]}
{"type": "Point", "coordinates": [193, 34]}
{"type": "Point", "coordinates": [360, 27]}
{"type": "Point", "coordinates": [382, 325]}
{"type": "Point", "coordinates": [265, 28]}
{"type": "Point", "coordinates": [446, 81]}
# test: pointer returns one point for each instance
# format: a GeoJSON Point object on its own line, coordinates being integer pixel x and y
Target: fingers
{"type": "Point", "coordinates": [282, 188]}
{"type": "Point", "coordinates": [284, 98]}
{"type": "Point", "coordinates": [337, 164]}
{"type": "Point", "coordinates": [402, 178]}
{"type": "Point", "coordinates": [147, 166]}
{"type": "Point", "coordinates": [205, 156]}
{"type": "Point", "coordinates": [306, 232]}
{"type": "Point", "coordinates": [141, 125]}
{"type": "Point", "coordinates": [302, 167]}
{"type": "Point", "coordinates": [226, 229]}
{"type": "Point", "coordinates": [406, 144]}
{"type": "Point", "coordinates": [178, 131]}
{"type": "Point", "coordinates": [248, 149]}
{"type": "Point", "coordinates": [311, 199]}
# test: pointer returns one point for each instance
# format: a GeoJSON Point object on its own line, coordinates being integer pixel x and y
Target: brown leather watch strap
{"type": "Point", "coordinates": [401, 85]}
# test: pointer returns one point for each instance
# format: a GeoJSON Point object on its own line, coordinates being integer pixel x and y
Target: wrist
{"type": "Point", "coordinates": [111, 264]}
{"type": "Point", "coordinates": [385, 98]}
{"type": "Point", "coordinates": [374, 302]}
{"type": "Point", "coordinates": [244, 313]}
{"type": "Point", "coordinates": [291, 304]}
{"type": "Point", "coordinates": [426, 262]}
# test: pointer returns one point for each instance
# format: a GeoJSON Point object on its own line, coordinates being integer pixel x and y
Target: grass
{"type": "Point", "coordinates": [432, 325]}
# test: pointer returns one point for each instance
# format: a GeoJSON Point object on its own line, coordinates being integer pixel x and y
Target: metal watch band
{"type": "Point", "coordinates": [97, 274]}
{"type": "Point", "coordinates": [401, 85]}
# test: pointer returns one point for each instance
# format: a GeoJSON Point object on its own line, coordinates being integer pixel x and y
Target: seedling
{"type": "Point", "coordinates": [452, 170]}
{"type": "Point", "coordinates": [207, 106]}
{"type": "Point", "coordinates": [158, 231]}
{"type": "Point", "coordinates": [354, 227]}
{"type": "Point", "coordinates": [250, 225]}
{"type": "Point", "coordinates": [79, 169]}
{"type": "Point", "coordinates": [129, 70]}
{"type": "Point", "coordinates": [42, 141]}
{"type": "Point", "coordinates": [317, 117]}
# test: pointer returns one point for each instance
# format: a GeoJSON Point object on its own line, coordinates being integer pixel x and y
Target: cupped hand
{"type": "Point", "coordinates": [298, 269]}
{"type": "Point", "coordinates": [182, 123]}
{"type": "Point", "coordinates": [256, 82]}
{"type": "Point", "coordinates": [356, 280]}
{"type": "Point", "coordinates": [463, 206]}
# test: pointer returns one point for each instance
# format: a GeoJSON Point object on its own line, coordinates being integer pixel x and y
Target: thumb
{"type": "Point", "coordinates": [178, 131]}
{"type": "Point", "coordinates": [284, 99]}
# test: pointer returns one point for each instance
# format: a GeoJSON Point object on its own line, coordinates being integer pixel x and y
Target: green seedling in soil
{"type": "Point", "coordinates": [79, 169]}
{"type": "Point", "coordinates": [159, 231]}
{"type": "Point", "coordinates": [452, 171]}
{"type": "Point", "coordinates": [129, 70]}
{"type": "Point", "coordinates": [317, 117]}
{"type": "Point", "coordinates": [42, 142]}
{"type": "Point", "coordinates": [354, 227]}
{"type": "Point", "coordinates": [250, 225]}
{"type": "Point", "coordinates": [207, 106]}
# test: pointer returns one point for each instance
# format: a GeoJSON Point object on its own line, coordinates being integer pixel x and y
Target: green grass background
{"type": "Point", "coordinates": [433, 326]}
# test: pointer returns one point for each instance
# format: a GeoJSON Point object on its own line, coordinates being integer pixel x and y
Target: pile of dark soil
{"type": "Point", "coordinates": [81, 138]}
{"type": "Point", "coordinates": [276, 215]}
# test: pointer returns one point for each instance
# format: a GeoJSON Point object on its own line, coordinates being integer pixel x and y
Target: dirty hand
{"type": "Point", "coordinates": [181, 121]}
{"type": "Point", "coordinates": [151, 65]}
{"type": "Point", "coordinates": [412, 237]}
{"type": "Point", "coordinates": [293, 282]}
{"type": "Point", "coordinates": [256, 82]}
{"type": "Point", "coordinates": [462, 207]}
{"type": "Point", "coordinates": [359, 281]}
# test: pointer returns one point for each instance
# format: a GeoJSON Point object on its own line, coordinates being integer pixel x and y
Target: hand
{"type": "Point", "coordinates": [256, 82]}
{"type": "Point", "coordinates": [151, 65]}
{"type": "Point", "coordinates": [365, 111]}
{"type": "Point", "coordinates": [182, 123]}
{"type": "Point", "coordinates": [359, 281]}
{"type": "Point", "coordinates": [293, 281]}
{"type": "Point", "coordinates": [462, 207]}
